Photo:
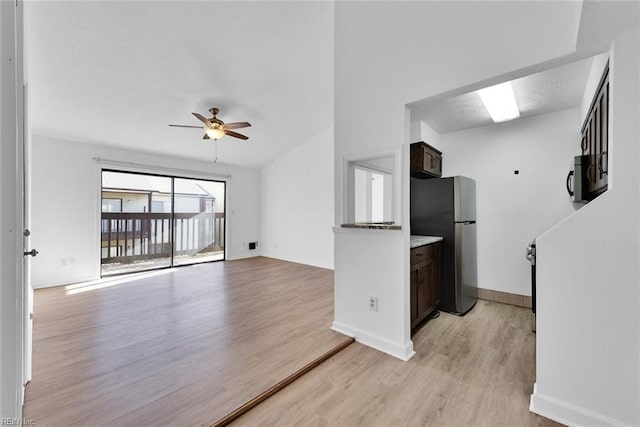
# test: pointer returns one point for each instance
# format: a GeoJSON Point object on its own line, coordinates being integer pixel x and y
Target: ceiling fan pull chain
{"type": "Point", "coordinates": [215, 145]}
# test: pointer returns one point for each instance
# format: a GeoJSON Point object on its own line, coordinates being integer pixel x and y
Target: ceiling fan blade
{"type": "Point", "coordinates": [206, 136]}
{"type": "Point", "coordinates": [202, 118]}
{"type": "Point", "coordinates": [236, 134]}
{"type": "Point", "coordinates": [186, 126]}
{"type": "Point", "coordinates": [237, 125]}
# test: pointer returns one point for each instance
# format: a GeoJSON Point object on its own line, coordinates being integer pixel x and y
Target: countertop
{"type": "Point", "coordinates": [373, 225]}
{"type": "Point", "coordinates": [417, 241]}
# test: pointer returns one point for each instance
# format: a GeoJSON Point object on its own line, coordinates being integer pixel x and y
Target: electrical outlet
{"type": "Point", "coordinates": [373, 303]}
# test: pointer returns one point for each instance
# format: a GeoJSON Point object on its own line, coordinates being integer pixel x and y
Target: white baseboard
{"type": "Point", "coordinates": [567, 413]}
{"type": "Point", "coordinates": [79, 279]}
{"type": "Point", "coordinates": [402, 352]}
{"type": "Point", "coordinates": [312, 263]}
{"type": "Point", "coordinates": [241, 256]}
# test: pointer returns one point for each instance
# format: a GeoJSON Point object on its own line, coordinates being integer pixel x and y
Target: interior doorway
{"type": "Point", "coordinates": [156, 221]}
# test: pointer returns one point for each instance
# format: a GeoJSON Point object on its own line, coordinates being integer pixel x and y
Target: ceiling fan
{"type": "Point", "coordinates": [214, 128]}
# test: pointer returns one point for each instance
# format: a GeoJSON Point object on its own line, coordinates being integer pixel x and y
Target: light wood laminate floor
{"type": "Point", "coordinates": [476, 370]}
{"type": "Point", "coordinates": [182, 347]}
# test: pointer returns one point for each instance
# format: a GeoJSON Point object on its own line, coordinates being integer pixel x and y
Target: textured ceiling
{"type": "Point", "coordinates": [543, 92]}
{"type": "Point", "coordinates": [118, 72]}
{"type": "Point", "coordinates": [601, 20]}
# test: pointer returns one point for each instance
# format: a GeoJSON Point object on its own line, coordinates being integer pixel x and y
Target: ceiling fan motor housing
{"type": "Point", "coordinates": [214, 119]}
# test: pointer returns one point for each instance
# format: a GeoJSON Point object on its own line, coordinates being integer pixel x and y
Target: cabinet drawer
{"type": "Point", "coordinates": [421, 254]}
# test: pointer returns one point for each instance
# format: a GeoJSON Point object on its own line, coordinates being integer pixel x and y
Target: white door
{"type": "Point", "coordinates": [12, 301]}
{"type": "Point", "coordinates": [27, 328]}
{"type": "Point", "coordinates": [23, 174]}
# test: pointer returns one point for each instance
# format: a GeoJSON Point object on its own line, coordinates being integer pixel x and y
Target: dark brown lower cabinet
{"type": "Point", "coordinates": [425, 281]}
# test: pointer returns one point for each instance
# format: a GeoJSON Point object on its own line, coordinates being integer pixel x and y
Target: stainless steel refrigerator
{"type": "Point", "coordinates": [446, 207]}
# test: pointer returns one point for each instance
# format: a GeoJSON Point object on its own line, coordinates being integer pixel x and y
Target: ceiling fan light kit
{"type": "Point", "coordinates": [214, 132]}
{"type": "Point", "coordinates": [214, 128]}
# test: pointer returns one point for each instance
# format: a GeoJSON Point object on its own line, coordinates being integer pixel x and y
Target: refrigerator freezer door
{"type": "Point", "coordinates": [466, 267]}
{"type": "Point", "coordinates": [465, 199]}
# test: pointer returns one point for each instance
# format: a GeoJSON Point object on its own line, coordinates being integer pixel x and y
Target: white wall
{"type": "Point", "coordinates": [428, 135]}
{"type": "Point", "coordinates": [588, 336]}
{"type": "Point", "coordinates": [355, 259]}
{"type": "Point", "coordinates": [428, 48]}
{"type": "Point", "coordinates": [513, 209]}
{"type": "Point", "coordinates": [595, 74]}
{"type": "Point", "coordinates": [66, 205]}
{"type": "Point", "coordinates": [297, 204]}
{"type": "Point", "coordinates": [362, 195]}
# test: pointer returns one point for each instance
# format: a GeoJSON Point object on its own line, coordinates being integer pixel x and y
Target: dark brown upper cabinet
{"type": "Point", "coordinates": [426, 161]}
{"type": "Point", "coordinates": [595, 140]}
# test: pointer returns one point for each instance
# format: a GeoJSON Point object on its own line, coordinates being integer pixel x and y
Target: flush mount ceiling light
{"type": "Point", "coordinates": [500, 102]}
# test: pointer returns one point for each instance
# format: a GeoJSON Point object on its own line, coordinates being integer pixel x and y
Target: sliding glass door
{"type": "Point", "coordinates": [198, 221]}
{"type": "Point", "coordinates": [152, 221]}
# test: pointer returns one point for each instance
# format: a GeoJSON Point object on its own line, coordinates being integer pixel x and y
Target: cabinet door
{"type": "Point", "coordinates": [414, 294]}
{"type": "Point", "coordinates": [427, 159]}
{"type": "Point", "coordinates": [425, 289]}
{"type": "Point", "coordinates": [417, 160]}
{"type": "Point", "coordinates": [426, 281]}
{"type": "Point", "coordinates": [436, 164]}
{"type": "Point", "coordinates": [602, 155]}
{"type": "Point", "coordinates": [592, 134]}
{"type": "Point", "coordinates": [437, 274]}
{"type": "Point", "coordinates": [432, 161]}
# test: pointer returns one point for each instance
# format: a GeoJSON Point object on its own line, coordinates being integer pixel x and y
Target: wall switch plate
{"type": "Point", "coordinates": [373, 303]}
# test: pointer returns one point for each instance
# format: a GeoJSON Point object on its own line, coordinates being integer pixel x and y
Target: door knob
{"type": "Point", "coordinates": [32, 252]}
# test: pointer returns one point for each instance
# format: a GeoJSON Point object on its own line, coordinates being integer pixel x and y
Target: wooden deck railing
{"type": "Point", "coordinates": [131, 236]}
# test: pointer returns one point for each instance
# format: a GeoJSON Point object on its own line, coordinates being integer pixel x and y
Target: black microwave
{"type": "Point", "coordinates": [577, 180]}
